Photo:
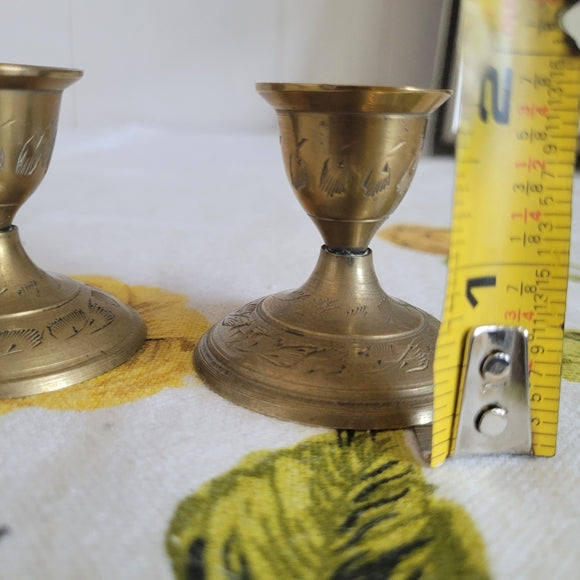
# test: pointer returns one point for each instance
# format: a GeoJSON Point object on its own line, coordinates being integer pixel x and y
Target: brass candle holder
{"type": "Point", "coordinates": [338, 351]}
{"type": "Point", "coordinates": [54, 331]}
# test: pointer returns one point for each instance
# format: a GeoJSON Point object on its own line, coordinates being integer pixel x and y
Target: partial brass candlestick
{"type": "Point", "coordinates": [54, 331]}
{"type": "Point", "coordinates": [338, 351]}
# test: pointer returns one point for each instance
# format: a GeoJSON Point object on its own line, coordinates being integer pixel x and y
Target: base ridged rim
{"type": "Point", "coordinates": [242, 383]}
{"type": "Point", "coordinates": [101, 354]}
{"type": "Point", "coordinates": [342, 417]}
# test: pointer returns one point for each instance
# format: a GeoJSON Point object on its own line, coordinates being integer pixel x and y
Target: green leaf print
{"type": "Point", "coordinates": [571, 356]}
{"type": "Point", "coordinates": [356, 507]}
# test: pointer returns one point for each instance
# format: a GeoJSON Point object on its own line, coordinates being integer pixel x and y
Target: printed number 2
{"type": "Point", "coordinates": [501, 113]}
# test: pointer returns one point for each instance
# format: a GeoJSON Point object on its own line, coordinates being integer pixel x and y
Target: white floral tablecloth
{"type": "Point", "coordinates": [145, 473]}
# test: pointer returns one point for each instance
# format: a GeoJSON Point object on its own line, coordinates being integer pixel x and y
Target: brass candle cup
{"type": "Point", "coordinates": [338, 351]}
{"type": "Point", "coordinates": [54, 331]}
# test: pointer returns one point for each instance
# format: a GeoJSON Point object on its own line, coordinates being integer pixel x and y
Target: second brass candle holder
{"type": "Point", "coordinates": [54, 331]}
{"type": "Point", "coordinates": [338, 351]}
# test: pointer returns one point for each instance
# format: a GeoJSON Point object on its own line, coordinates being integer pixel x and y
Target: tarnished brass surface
{"type": "Point", "coordinates": [338, 351]}
{"type": "Point", "coordinates": [54, 332]}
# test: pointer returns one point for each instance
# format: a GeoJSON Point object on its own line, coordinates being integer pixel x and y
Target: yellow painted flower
{"type": "Point", "coordinates": [165, 359]}
{"type": "Point", "coordinates": [418, 237]}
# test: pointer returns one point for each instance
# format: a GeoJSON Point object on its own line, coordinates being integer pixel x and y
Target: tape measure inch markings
{"type": "Point", "coordinates": [510, 238]}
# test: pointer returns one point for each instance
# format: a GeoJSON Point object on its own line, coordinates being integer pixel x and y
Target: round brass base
{"type": "Point", "coordinates": [337, 352]}
{"type": "Point", "coordinates": [54, 331]}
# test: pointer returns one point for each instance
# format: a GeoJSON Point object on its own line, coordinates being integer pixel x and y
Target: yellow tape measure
{"type": "Point", "coordinates": [510, 238]}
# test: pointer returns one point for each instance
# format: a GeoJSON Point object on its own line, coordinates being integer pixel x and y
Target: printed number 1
{"type": "Point", "coordinates": [477, 283]}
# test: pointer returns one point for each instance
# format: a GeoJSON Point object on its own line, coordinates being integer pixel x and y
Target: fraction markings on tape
{"type": "Point", "coordinates": [510, 238]}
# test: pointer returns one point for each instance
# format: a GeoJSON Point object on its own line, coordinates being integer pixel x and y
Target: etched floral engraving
{"type": "Point", "coordinates": [240, 317]}
{"type": "Point", "coordinates": [325, 304]}
{"type": "Point", "coordinates": [36, 151]}
{"type": "Point", "coordinates": [416, 357]}
{"type": "Point", "coordinates": [69, 325]}
{"type": "Point", "coordinates": [357, 311]}
{"type": "Point", "coordinates": [298, 170]}
{"type": "Point", "coordinates": [334, 178]}
{"type": "Point", "coordinates": [19, 340]}
{"type": "Point", "coordinates": [2, 157]}
{"type": "Point", "coordinates": [376, 181]}
{"type": "Point", "coordinates": [29, 157]}
{"type": "Point", "coordinates": [243, 333]}
{"type": "Point", "coordinates": [103, 299]}
{"type": "Point", "coordinates": [99, 317]}
{"type": "Point", "coordinates": [287, 355]}
{"type": "Point", "coordinates": [298, 294]}
{"type": "Point", "coordinates": [31, 287]}
{"type": "Point", "coordinates": [395, 357]}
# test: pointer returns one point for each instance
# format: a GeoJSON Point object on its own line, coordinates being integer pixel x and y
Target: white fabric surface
{"type": "Point", "coordinates": [89, 495]}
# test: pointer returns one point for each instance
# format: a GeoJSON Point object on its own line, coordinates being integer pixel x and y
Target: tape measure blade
{"type": "Point", "coordinates": [510, 238]}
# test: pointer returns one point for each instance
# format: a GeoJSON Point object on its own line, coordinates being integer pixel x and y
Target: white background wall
{"type": "Point", "coordinates": [193, 63]}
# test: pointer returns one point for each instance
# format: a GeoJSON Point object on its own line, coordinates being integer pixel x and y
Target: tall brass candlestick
{"type": "Point", "coordinates": [338, 351]}
{"type": "Point", "coordinates": [54, 331]}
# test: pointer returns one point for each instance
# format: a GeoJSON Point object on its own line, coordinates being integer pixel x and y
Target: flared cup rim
{"type": "Point", "coordinates": [406, 100]}
{"type": "Point", "coordinates": [27, 77]}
